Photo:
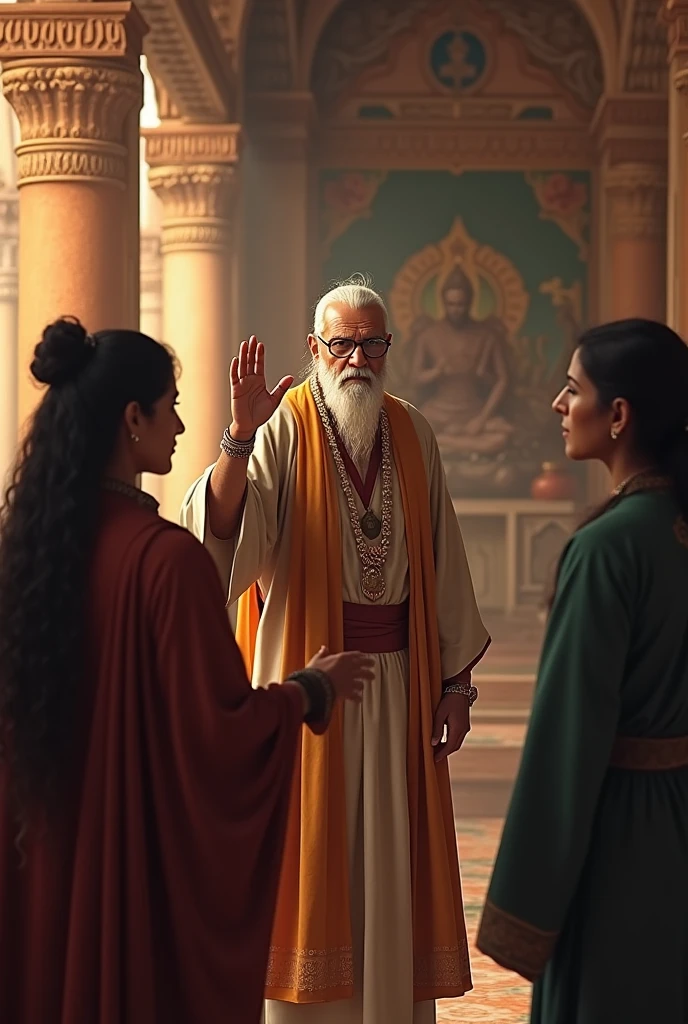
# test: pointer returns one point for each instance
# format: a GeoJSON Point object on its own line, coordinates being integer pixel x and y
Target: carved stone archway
{"type": "Point", "coordinates": [605, 18]}
{"type": "Point", "coordinates": [601, 15]}
{"type": "Point", "coordinates": [271, 29]}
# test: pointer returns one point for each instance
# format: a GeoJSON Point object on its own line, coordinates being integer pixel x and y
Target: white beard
{"type": "Point", "coordinates": [355, 408]}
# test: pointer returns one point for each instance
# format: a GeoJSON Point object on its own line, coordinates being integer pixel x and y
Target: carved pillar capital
{"type": "Point", "coordinates": [631, 133]}
{"type": "Point", "coordinates": [193, 170]}
{"type": "Point", "coordinates": [627, 127]}
{"type": "Point", "coordinates": [638, 200]}
{"type": "Point", "coordinates": [71, 73]}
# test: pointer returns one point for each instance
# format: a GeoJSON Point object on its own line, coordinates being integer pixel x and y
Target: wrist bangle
{"type": "Point", "coordinates": [236, 449]}
{"type": "Point", "coordinates": [320, 693]}
{"type": "Point", "coordinates": [465, 689]}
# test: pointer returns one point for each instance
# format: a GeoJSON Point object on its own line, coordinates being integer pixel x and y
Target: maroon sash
{"type": "Point", "coordinates": [376, 629]}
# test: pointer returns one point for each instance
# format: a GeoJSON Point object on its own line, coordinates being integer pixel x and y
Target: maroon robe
{"type": "Point", "coordinates": [150, 897]}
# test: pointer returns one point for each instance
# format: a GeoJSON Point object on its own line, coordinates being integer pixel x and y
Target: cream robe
{"type": "Point", "coordinates": [375, 733]}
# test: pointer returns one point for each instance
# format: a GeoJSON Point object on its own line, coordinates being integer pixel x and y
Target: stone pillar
{"type": "Point", "coordinates": [280, 246]}
{"type": "Point", "coordinates": [192, 170]}
{"type": "Point", "coordinates": [631, 133]}
{"type": "Point", "coordinates": [9, 225]}
{"type": "Point", "coordinates": [151, 284]}
{"type": "Point", "coordinates": [151, 318]}
{"type": "Point", "coordinates": [675, 16]}
{"type": "Point", "coordinates": [71, 72]}
{"type": "Point", "coordinates": [636, 227]}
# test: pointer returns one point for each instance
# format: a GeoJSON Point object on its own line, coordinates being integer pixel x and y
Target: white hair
{"type": "Point", "coordinates": [355, 293]}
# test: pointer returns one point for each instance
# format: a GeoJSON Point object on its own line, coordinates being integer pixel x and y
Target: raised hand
{"type": "Point", "coordinates": [252, 403]}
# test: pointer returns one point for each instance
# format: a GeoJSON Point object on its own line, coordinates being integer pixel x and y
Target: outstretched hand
{"type": "Point", "coordinates": [349, 672]}
{"type": "Point", "coordinates": [252, 404]}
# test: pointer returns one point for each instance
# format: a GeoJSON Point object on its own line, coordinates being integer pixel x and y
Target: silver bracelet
{"type": "Point", "coordinates": [465, 689]}
{"type": "Point", "coordinates": [236, 449]}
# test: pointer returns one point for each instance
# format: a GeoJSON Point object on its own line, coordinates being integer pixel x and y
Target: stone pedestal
{"type": "Point", "coordinates": [193, 172]}
{"type": "Point", "coordinates": [71, 73]}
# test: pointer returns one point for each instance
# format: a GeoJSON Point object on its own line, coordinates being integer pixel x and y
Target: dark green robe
{"type": "Point", "coordinates": [589, 896]}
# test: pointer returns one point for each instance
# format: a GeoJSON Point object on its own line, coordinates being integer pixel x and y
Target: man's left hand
{"type": "Point", "coordinates": [454, 712]}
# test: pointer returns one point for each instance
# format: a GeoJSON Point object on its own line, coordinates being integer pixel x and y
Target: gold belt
{"type": "Point", "coordinates": [641, 754]}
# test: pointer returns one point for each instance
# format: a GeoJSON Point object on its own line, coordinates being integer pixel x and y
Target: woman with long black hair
{"type": "Point", "coordinates": [589, 897]}
{"type": "Point", "coordinates": [143, 784]}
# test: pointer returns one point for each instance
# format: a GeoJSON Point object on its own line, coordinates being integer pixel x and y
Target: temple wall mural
{"type": "Point", "coordinates": [454, 168]}
{"type": "Point", "coordinates": [486, 279]}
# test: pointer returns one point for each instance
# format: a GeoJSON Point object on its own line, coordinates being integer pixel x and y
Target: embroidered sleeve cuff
{"type": "Point", "coordinates": [515, 944]}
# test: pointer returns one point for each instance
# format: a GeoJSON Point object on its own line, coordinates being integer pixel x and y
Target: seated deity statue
{"type": "Point", "coordinates": [461, 361]}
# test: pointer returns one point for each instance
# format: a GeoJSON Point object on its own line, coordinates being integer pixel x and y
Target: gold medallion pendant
{"type": "Point", "coordinates": [372, 582]}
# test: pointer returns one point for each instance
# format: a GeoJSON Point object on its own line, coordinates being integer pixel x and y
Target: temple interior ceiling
{"type": "Point", "coordinates": [644, 48]}
{"type": "Point", "coordinates": [188, 60]}
{"type": "Point", "coordinates": [557, 38]}
{"type": "Point", "coordinates": [206, 55]}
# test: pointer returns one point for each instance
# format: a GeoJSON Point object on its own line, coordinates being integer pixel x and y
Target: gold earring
{"type": "Point", "coordinates": [135, 438]}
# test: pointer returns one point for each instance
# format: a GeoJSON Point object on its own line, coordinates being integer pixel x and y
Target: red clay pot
{"type": "Point", "coordinates": [553, 484]}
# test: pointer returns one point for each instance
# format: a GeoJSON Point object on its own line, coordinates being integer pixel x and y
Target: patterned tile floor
{"type": "Point", "coordinates": [498, 997]}
{"type": "Point", "coordinates": [496, 734]}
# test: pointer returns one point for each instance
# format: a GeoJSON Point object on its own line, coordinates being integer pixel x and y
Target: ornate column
{"type": "Point", "coordinates": [151, 315]}
{"type": "Point", "coordinates": [9, 233]}
{"type": "Point", "coordinates": [280, 245]}
{"type": "Point", "coordinates": [637, 226]}
{"type": "Point", "coordinates": [71, 72]}
{"type": "Point", "coordinates": [631, 135]}
{"type": "Point", "coordinates": [193, 169]}
{"type": "Point", "coordinates": [151, 284]}
{"type": "Point", "coordinates": [675, 16]}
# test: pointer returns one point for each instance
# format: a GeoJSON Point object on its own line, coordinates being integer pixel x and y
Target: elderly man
{"type": "Point", "coordinates": [328, 517]}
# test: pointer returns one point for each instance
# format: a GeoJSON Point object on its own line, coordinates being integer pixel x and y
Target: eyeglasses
{"type": "Point", "coordinates": [344, 348]}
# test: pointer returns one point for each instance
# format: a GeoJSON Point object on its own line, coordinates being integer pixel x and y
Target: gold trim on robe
{"type": "Point", "coordinates": [515, 944]}
{"type": "Point", "coordinates": [311, 970]}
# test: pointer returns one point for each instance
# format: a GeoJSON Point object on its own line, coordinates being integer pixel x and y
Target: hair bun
{"type": "Point", "coordinates": [63, 352]}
